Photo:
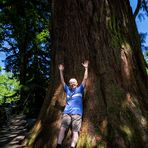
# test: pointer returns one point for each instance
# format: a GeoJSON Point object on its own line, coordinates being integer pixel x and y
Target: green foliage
{"type": "Point", "coordinates": [9, 88]}
{"type": "Point", "coordinates": [25, 39]}
{"type": "Point", "coordinates": [24, 25]}
{"type": "Point", "coordinates": [42, 36]}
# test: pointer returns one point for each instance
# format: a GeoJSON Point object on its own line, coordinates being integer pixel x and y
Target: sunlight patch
{"type": "Point", "coordinates": [143, 121]}
{"type": "Point", "coordinates": [128, 131]}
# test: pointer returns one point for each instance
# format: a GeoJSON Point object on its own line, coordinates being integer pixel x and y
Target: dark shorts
{"type": "Point", "coordinates": [74, 120]}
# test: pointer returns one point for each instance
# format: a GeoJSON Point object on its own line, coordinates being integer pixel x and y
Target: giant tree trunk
{"type": "Point", "coordinates": [115, 101]}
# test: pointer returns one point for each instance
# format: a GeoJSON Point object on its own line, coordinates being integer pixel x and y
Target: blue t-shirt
{"type": "Point", "coordinates": [74, 103]}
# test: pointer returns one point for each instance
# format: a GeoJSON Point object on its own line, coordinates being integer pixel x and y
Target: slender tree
{"type": "Point", "coordinates": [115, 101]}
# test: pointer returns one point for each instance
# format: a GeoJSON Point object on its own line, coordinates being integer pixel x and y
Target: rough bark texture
{"type": "Point", "coordinates": [115, 101]}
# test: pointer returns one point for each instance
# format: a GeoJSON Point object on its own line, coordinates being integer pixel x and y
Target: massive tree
{"type": "Point", "coordinates": [115, 101]}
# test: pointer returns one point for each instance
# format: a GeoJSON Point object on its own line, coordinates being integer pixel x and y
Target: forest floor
{"type": "Point", "coordinates": [13, 133]}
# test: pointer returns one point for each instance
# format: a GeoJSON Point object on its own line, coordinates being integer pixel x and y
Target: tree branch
{"type": "Point", "coordinates": [145, 6]}
{"type": "Point", "coordinates": [137, 8]}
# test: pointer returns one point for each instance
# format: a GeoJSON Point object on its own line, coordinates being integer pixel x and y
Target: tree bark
{"type": "Point", "coordinates": [23, 63]}
{"type": "Point", "coordinates": [104, 32]}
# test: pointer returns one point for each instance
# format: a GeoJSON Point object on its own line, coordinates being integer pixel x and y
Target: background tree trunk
{"type": "Point", "coordinates": [115, 101]}
{"type": "Point", "coordinates": [22, 76]}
